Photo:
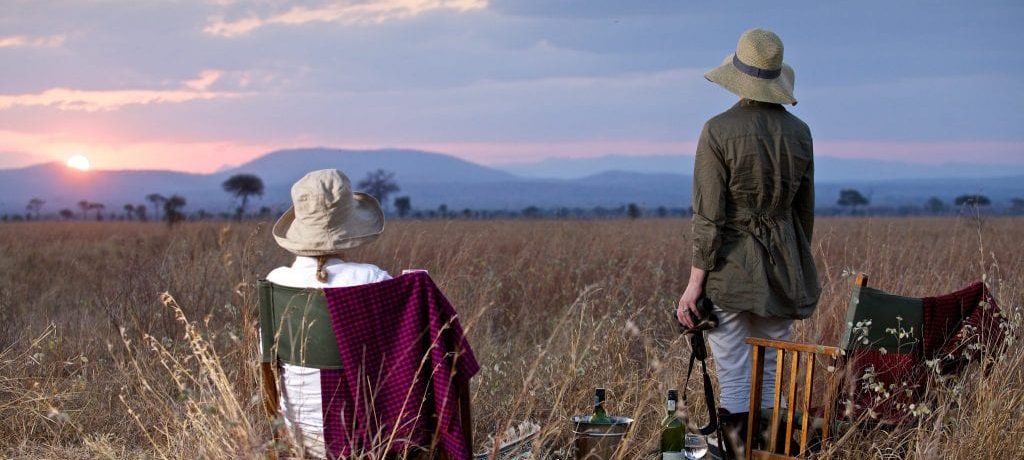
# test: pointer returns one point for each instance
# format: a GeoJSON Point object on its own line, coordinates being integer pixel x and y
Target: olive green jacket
{"type": "Point", "coordinates": [753, 211]}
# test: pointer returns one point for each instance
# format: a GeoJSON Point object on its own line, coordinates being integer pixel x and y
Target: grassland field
{"type": "Point", "coordinates": [96, 363]}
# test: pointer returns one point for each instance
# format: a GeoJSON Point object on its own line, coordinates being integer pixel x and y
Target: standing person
{"type": "Point", "coordinates": [753, 217]}
{"type": "Point", "coordinates": [325, 219]}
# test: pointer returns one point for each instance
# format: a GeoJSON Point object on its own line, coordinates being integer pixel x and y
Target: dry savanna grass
{"type": "Point", "coordinates": [97, 362]}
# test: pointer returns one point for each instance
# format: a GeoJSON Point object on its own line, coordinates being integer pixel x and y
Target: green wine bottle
{"type": "Point", "coordinates": [673, 432]}
{"type": "Point", "coordinates": [600, 415]}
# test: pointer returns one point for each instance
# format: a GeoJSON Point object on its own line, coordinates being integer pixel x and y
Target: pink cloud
{"type": "Point", "coordinates": [204, 80]}
{"type": "Point", "coordinates": [105, 100]}
{"type": "Point", "coordinates": [23, 41]}
{"type": "Point", "coordinates": [346, 13]}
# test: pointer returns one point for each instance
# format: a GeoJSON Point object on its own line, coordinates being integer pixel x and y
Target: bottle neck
{"type": "Point", "coordinates": [671, 407]}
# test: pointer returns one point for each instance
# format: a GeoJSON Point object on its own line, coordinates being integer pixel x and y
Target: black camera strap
{"type": "Point", "coordinates": [699, 351]}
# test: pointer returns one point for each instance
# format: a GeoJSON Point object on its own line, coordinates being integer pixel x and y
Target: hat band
{"type": "Point", "coordinates": [755, 72]}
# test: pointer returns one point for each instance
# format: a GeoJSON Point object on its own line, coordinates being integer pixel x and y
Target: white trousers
{"type": "Point", "coordinates": [732, 356]}
{"type": "Point", "coordinates": [302, 407]}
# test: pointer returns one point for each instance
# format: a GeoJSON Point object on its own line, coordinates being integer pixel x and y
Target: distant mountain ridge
{"type": "Point", "coordinates": [826, 168]}
{"type": "Point", "coordinates": [63, 187]}
{"type": "Point", "coordinates": [410, 166]}
{"type": "Point", "coordinates": [432, 179]}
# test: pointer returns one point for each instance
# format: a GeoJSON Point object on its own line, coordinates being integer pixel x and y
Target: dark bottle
{"type": "Point", "coordinates": [673, 432]}
{"type": "Point", "coordinates": [600, 415]}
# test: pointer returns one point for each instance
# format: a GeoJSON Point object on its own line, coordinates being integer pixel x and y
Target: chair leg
{"type": "Point", "coordinates": [754, 415]}
{"type": "Point", "coordinates": [268, 380]}
{"type": "Point", "coordinates": [466, 414]}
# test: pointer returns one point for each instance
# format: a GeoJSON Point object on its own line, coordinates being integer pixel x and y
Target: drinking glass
{"type": "Point", "coordinates": [695, 446]}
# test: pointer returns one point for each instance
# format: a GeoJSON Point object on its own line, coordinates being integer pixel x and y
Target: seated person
{"type": "Point", "coordinates": [325, 219]}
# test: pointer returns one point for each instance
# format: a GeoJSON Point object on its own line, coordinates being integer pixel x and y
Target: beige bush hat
{"type": "Point", "coordinates": [756, 71]}
{"type": "Point", "coordinates": [326, 216]}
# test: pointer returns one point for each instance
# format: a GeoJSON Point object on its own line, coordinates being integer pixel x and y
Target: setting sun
{"type": "Point", "coordinates": [79, 162]}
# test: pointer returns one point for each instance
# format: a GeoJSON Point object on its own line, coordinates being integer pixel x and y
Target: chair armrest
{"type": "Point", "coordinates": [833, 352]}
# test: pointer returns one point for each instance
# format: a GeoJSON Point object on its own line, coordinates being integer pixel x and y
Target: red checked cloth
{"type": "Point", "coordinates": [885, 384]}
{"type": "Point", "coordinates": [404, 358]}
{"type": "Point", "coordinates": [956, 328]}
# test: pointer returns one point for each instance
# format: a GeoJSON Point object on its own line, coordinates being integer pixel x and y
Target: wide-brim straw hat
{"type": "Point", "coordinates": [756, 71]}
{"type": "Point", "coordinates": [327, 216]}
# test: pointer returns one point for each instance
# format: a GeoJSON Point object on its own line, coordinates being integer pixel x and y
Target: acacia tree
{"type": "Point", "coordinates": [172, 209]}
{"type": "Point", "coordinates": [380, 184]}
{"type": "Point", "coordinates": [633, 211]}
{"type": "Point", "coordinates": [1017, 205]}
{"type": "Point", "coordinates": [67, 214]}
{"type": "Point", "coordinates": [852, 198]}
{"type": "Point", "coordinates": [140, 212]}
{"type": "Point", "coordinates": [98, 207]}
{"type": "Point", "coordinates": [34, 206]}
{"type": "Point", "coordinates": [243, 186]}
{"type": "Point", "coordinates": [129, 211]}
{"type": "Point", "coordinates": [85, 206]}
{"type": "Point", "coordinates": [531, 212]}
{"type": "Point", "coordinates": [158, 201]}
{"type": "Point", "coordinates": [934, 205]}
{"type": "Point", "coordinates": [972, 200]}
{"type": "Point", "coordinates": [403, 205]}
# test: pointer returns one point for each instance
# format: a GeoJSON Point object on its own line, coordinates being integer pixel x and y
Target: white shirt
{"type": "Point", "coordinates": [301, 403]}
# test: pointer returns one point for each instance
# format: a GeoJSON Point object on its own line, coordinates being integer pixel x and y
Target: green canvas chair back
{"type": "Point", "coordinates": [295, 327]}
{"type": "Point", "coordinates": [876, 319]}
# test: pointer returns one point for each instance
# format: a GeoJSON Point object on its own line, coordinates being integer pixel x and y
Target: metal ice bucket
{"type": "Point", "coordinates": [594, 441]}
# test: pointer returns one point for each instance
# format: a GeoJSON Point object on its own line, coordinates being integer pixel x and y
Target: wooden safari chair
{"type": "Point", "coordinates": [879, 364]}
{"type": "Point", "coordinates": [295, 328]}
{"type": "Point", "coordinates": [810, 355]}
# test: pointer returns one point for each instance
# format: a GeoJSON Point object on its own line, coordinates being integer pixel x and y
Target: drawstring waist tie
{"type": "Point", "coordinates": [762, 225]}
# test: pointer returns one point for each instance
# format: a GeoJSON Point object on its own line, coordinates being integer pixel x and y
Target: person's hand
{"type": "Point", "coordinates": [689, 302]}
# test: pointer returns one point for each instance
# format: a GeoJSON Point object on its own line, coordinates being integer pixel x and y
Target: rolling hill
{"type": "Point", "coordinates": [826, 168]}
{"type": "Point", "coordinates": [432, 179]}
{"type": "Point", "coordinates": [410, 166]}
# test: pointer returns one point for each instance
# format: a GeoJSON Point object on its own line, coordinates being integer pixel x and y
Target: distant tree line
{"type": "Point", "coordinates": [381, 184]}
{"type": "Point", "coordinates": [629, 210]}
{"type": "Point", "coordinates": [852, 199]}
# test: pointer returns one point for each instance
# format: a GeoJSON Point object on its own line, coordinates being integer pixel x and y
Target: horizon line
{"type": "Point", "coordinates": [501, 164]}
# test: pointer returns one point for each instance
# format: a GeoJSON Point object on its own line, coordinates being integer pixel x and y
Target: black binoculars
{"type": "Point", "coordinates": [704, 319]}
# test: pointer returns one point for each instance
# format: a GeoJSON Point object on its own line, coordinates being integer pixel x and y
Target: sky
{"type": "Point", "coordinates": [202, 85]}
